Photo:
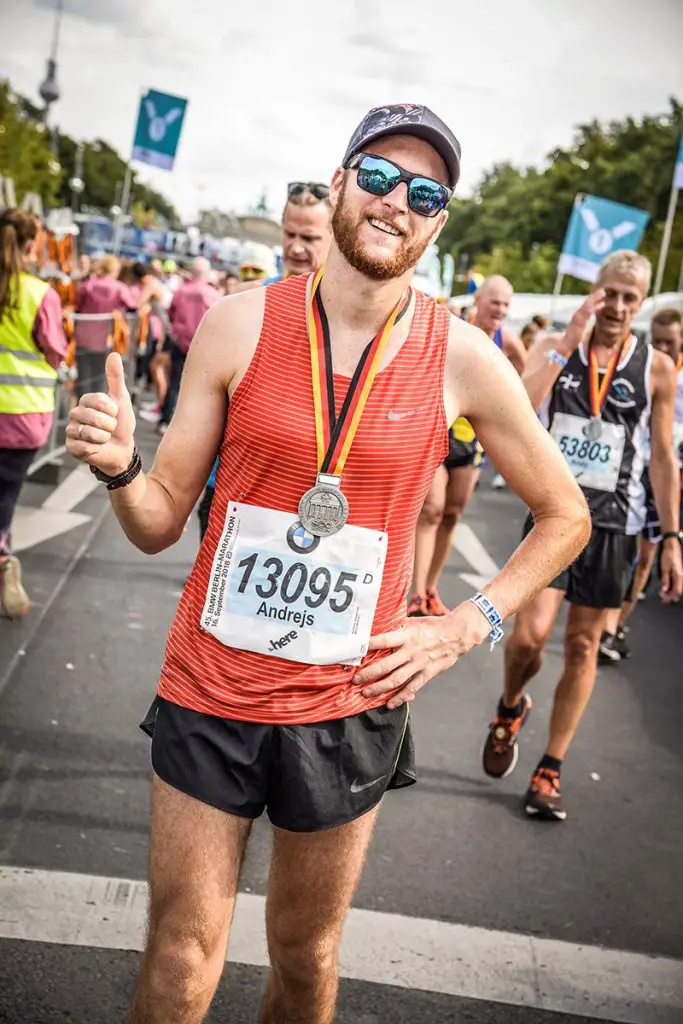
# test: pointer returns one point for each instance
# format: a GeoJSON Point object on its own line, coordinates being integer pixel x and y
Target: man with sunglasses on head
{"type": "Point", "coordinates": [290, 666]}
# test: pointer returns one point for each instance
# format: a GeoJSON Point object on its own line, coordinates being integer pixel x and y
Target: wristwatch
{"type": "Point", "coordinates": [123, 479]}
{"type": "Point", "coordinates": [673, 533]}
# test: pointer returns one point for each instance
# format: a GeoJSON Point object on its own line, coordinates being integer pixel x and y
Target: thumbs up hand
{"type": "Point", "coordinates": [101, 427]}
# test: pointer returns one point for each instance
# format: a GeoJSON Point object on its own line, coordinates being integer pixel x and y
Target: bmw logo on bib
{"type": "Point", "coordinates": [300, 540]}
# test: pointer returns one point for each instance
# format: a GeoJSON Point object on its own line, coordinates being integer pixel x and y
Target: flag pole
{"type": "Point", "coordinates": [127, 184]}
{"type": "Point", "coordinates": [666, 239]}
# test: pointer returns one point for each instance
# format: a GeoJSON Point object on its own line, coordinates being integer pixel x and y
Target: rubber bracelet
{"type": "Point", "coordinates": [553, 356]}
{"type": "Point", "coordinates": [489, 610]}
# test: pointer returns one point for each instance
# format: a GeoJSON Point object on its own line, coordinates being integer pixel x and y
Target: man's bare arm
{"type": "Point", "coordinates": [663, 464]}
{"type": "Point", "coordinates": [545, 359]}
{"type": "Point", "coordinates": [493, 398]}
{"type": "Point", "coordinates": [514, 349]}
{"type": "Point", "coordinates": [154, 508]}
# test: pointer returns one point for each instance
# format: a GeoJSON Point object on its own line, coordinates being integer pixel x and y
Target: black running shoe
{"type": "Point", "coordinates": [543, 799]}
{"type": "Point", "coordinates": [620, 645]}
{"type": "Point", "coordinates": [607, 652]}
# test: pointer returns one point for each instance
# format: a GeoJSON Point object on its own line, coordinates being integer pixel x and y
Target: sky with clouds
{"type": "Point", "coordinates": [275, 89]}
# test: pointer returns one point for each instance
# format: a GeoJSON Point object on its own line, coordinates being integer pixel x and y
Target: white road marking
{"type": "Point", "coordinates": [73, 489]}
{"type": "Point", "coordinates": [387, 949]}
{"type": "Point", "coordinates": [33, 526]}
{"type": "Point", "coordinates": [467, 544]}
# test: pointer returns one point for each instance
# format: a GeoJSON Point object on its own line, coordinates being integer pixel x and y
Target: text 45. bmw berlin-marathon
{"type": "Point", "coordinates": [277, 589]}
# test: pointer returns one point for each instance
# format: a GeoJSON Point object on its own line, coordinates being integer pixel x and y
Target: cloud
{"type": "Point", "coordinates": [275, 91]}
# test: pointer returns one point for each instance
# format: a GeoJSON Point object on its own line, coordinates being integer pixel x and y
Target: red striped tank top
{"type": "Point", "coordinates": [268, 458]}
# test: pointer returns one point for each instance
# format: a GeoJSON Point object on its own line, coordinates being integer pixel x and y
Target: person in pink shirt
{"type": "Point", "coordinates": [100, 295]}
{"type": "Point", "coordinates": [190, 302]}
{"type": "Point", "coordinates": [32, 346]}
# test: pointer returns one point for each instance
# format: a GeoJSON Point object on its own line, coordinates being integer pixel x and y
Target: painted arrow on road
{"type": "Point", "coordinates": [467, 544]}
{"type": "Point", "coordinates": [33, 526]}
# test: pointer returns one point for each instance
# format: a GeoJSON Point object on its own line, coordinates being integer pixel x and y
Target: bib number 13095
{"type": "Point", "coordinates": [316, 587]}
{"type": "Point", "coordinates": [278, 590]}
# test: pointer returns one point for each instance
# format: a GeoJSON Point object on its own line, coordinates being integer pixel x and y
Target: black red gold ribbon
{"type": "Point", "coordinates": [334, 436]}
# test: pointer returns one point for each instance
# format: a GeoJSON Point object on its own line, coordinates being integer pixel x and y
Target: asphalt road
{"type": "Point", "coordinates": [78, 675]}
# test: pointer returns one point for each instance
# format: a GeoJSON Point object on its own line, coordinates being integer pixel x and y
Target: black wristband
{"type": "Point", "coordinates": [123, 479]}
{"type": "Point", "coordinates": [678, 534]}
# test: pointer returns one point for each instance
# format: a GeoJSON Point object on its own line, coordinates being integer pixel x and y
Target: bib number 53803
{"type": "Point", "coordinates": [316, 587]}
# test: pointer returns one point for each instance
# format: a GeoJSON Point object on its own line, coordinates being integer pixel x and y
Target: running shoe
{"type": "Point", "coordinates": [501, 750]}
{"type": "Point", "coordinates": [417, 606]}
{"type": "Point", "coordinates": [543, 798]}
{"type": "Point", "coordinates": [620, 644]}
{"type": "Point", "coordinates": [498, 482]}
{"type": "Point", "coordinates": [435, 605]}
{"type": "Point", "coordinates": [13, 598]}
{"type": "Point", "coordinates": [151, 415]}
{"type": "Point", "coordinates": [607, 652]}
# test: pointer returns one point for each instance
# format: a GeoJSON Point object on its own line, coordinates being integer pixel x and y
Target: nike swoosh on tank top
{"type": "Point", "coordinates": [268, 458]}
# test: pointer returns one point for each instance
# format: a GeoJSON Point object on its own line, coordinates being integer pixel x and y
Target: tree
{"type": "Point", "coordinates": [25, 154]}
{"type": "Point", "coordinates": [517, 218]}
{"type": "Point", "coordinates": [26, 157]}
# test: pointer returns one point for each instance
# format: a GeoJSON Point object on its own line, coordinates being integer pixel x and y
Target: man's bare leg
{"type": "Point", "coordinates": [313, 877]}
{"type": "Point", "coordinates": [427, 525]}
{"type": "Point", "coordinates": [460, 488]}
{"type": "Point", "coordinates": [195, 859]}
{"type": "Point", "coordinates": [524, 649]}
{"type": "Point", "coordinates": [584, 626]}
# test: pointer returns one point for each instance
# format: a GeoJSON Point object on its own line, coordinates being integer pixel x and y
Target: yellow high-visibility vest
{"type": "Point", "coordinates": [27, 381]}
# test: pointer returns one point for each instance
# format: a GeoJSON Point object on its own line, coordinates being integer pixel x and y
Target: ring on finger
{"type": "Point", "coordinates": [79, 432]}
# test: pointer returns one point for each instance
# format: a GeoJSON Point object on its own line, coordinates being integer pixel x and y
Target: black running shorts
{"type": "Point", "coordinates": [306, 777]}
{"type": "Point", "coordinates": [599, 577]}
{"type": "Point", "coordinates": [462, 454]}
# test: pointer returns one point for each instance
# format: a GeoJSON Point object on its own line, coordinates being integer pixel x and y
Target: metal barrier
{"type": "Point", "coordinates": [46, 466]}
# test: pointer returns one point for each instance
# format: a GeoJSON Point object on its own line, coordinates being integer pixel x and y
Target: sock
{"type": "Point", "coordinates": [554, 764]}
{"type": "Point", "coordinates": [505, 712]}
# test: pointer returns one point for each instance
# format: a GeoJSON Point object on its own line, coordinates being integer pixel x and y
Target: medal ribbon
{"type": "Point", "coordinates": [599, 388]}
{"type": "Point", "coordinates": [334, 437]}
{"type": "Point", "coordinates": [679, 362]}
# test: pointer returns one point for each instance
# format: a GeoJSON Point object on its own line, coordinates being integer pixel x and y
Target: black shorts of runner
{"type": "Point", "coordinates": [306, 777]}
{"type": "Point", "coordinates": [462, 454]}
{"type": "Point", "coordinates": [599, 577]}
{"type": "Point", "coordinates": [652, 530]}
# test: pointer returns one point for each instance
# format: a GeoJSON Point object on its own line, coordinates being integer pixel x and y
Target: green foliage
{"type": "Point", "coordinates": [515, 222]}
{"type": "Point", "coordinates": [26, 157]}
{"type": "Point", "coordinates": [25, 154]}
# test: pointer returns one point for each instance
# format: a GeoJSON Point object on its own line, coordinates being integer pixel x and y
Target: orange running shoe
{"type": "Point", "coordinates": [417, 606]}
{"type": "Point", "coordinates": [435, 605]}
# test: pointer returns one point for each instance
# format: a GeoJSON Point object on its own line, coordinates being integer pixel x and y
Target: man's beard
{"type": "Point", "coordinates": [346, 230]}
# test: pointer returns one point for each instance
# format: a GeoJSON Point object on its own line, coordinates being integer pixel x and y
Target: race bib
{"type": "Point", "coordinates": [278, 590]}
{"type": "Point", "coordinates": [595, 464]}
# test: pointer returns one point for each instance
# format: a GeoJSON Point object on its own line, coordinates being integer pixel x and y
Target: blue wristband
{"type": "Point", "coordinates": [493, 616]}
{"type": "Point", "coordinates": [554, 356]}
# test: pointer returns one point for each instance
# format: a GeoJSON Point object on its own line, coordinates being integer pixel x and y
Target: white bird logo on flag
{"type": "Point", "coordinates": [600, 240]}
{"type": "Point", "coordinates": [158, 125]}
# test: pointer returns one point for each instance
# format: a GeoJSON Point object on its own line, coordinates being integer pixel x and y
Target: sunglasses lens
{"type": "Point", "coordinates": [377, 176]}
{"type": "Point", "coordinates": [426, 196]}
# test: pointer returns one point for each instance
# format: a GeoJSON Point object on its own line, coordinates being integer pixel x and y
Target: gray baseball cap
{"type": "Point", "coordinates": [408, 119]}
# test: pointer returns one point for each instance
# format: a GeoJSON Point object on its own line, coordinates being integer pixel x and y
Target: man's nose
{"type": "Point", "coordinates": [397, 199]}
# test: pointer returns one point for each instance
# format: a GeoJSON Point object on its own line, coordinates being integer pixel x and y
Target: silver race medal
{"type": "Point", "coordinates": [323, 510]}
{"type": "Point", "coordinates": [593, 429]}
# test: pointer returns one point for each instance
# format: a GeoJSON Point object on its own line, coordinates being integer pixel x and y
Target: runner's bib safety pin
{"type": "Point", "coordinates": [492, 614]}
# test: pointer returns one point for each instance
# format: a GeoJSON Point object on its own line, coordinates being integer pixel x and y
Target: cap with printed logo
{"type": "Point", "coordinates": [408, 119]}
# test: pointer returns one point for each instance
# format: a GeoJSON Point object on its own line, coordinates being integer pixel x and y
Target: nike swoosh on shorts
{"type": "Point", "coordinates": [356, 788]}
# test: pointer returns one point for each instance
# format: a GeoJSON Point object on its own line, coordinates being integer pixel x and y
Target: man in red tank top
{"type": "Point", "coordinates": [290, 666]}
